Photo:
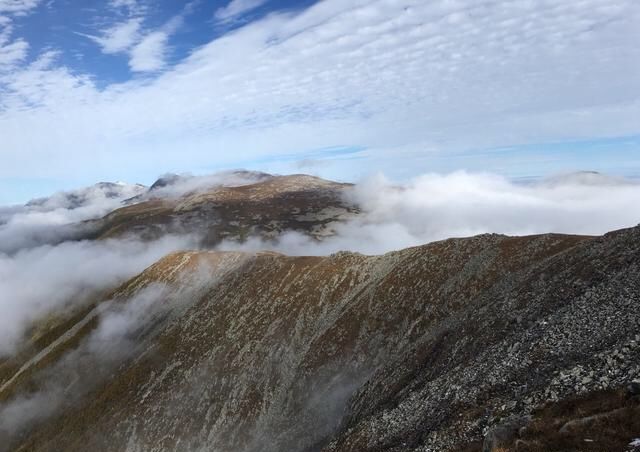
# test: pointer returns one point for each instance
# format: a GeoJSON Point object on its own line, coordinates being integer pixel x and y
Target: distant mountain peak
{"type": "Point", "coordinates": [166, 180]}
{"type": "Point", "coordinates": [586, 177]}
{"type": "Point", "coordinates": [72, 199]}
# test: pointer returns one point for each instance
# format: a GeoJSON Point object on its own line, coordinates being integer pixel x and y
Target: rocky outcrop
{"type": "Point", "coordinates": [426, 349]}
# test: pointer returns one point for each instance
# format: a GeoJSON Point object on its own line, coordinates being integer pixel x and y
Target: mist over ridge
{"type": "Point", "coordinates": [133, 267]}
{"type": "Point", "coordinates": [434, 244]}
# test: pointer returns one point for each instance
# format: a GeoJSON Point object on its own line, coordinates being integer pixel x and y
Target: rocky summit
{"type": "Point", "coordinates": [489, 343]}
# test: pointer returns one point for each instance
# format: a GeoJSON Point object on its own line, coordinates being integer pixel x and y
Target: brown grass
{"type": "Point", "coordinates": [616, 423]}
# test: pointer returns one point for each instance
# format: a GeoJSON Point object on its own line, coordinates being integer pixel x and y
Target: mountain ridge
{"type": "Point", "coordinates": [305, 342]}
{"type": "Point", "coordinates": [264, 208]}
{"type": "Point", "coordinates": [490, 342]}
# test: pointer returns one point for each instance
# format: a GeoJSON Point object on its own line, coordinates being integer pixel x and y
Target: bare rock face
{"type": "Point", "coordinates": [425, 349]}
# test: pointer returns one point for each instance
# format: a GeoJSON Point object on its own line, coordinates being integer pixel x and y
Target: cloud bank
{"type": "Point", "coordinates": [54, 219]}
{"type": "Point", "coordinates": [460, 204]}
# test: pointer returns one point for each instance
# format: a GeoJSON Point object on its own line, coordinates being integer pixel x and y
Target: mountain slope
{"type": "Point", "coordinates": [265, 208]}
{"type": "Point", "coordinates": [421, 349]}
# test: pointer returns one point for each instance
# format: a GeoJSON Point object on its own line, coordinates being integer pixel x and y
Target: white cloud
{"type": "Point", "coordinates": [17, 6]}
{"type": "Point", "coordinates": [377, 74]}
{"type": "Point", "coordinates": [40, 272]}
{"type": "Point", "coordinates": [120, 37]}
{"type": "Point", "coordinates": [236, 8]}
{"type": "Point", "coordinates": [147, 50]}
{"type": "Point", "coordinates": [12, 53]}
{"type": "Point", "coordinates": [50, 220]}
{"type": "Point", "coordinates": [149, 54]}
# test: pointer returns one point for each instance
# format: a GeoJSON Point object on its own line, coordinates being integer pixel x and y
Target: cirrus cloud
{"type": "Point", "coordinates": [236, 8]}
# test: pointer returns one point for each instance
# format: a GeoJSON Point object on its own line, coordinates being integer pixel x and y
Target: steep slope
{"type": "Point", "coordinates": [273, 204]}
{"type": "Point", "coordinates": [422, 349]}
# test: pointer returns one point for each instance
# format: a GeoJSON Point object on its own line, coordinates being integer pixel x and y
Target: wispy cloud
{"type": "Point", "coordinates": [150, 53]}
{"type": "Point", "coordinates": [17, 6]}
{"type": "Point", "coordinates": [147, 49]}
{"type": "Point", "coordinates": [120, 37]}
{"type": "Point", "coordinates": [133, 6]}
{"type": "Point", "coordinates": [13, 51]}
{"type": "Point", "coordinates": [236, 8]}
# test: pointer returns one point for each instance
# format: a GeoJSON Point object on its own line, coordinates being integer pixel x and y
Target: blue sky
{"type": "Point", "coordinates": [130, 89]}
